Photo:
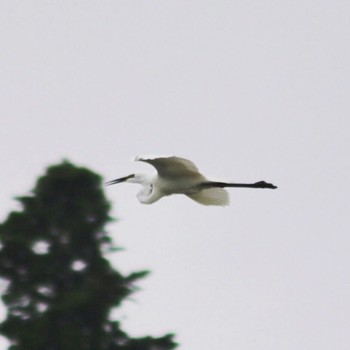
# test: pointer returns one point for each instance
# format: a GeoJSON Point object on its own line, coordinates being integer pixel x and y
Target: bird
{"type": "Point", "coordinates": [175, 175]}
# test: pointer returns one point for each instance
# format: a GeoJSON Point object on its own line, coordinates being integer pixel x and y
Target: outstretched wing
{"type": "Point", "coordinates": [172, 167]}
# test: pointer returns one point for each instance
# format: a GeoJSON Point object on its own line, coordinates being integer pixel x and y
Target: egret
{"type": "Point", "coordinates": [176, 175]}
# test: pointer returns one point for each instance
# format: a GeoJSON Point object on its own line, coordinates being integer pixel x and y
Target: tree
{"type": "Point", "coordinates": [61, 288]}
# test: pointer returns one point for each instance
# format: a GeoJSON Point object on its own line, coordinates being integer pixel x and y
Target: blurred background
{"type": "Point", "coordinates": [247, 90]}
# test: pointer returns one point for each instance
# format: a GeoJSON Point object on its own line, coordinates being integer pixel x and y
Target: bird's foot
{"type": "Point", "coordinates": [263, 184]}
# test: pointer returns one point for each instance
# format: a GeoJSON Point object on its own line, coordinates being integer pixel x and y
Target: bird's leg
{"type": "Point", "coordinates": [259, 184]}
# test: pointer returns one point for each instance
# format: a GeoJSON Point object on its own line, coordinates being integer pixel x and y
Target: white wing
{"type": "Point", "coordinates": [211, 196]}
{"type": "Point", "coordinates": [173, 167]}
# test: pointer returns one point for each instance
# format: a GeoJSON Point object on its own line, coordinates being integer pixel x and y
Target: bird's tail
{"type": "Point", "coordinates": [211, 196]}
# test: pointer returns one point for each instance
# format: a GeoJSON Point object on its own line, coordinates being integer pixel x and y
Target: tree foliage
{"type": "Point", "coordinates": [61, 288]}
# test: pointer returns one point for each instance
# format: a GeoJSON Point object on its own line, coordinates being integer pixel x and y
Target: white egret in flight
{"type": "Point", "coordinates": [180, 176]}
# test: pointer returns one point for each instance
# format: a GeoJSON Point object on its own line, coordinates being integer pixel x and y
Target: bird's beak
{"type": "Point", "coordinates": [122, 179]}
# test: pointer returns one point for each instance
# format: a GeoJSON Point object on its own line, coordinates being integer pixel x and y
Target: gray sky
{"type": "Point", "coordinates": [249, 90]}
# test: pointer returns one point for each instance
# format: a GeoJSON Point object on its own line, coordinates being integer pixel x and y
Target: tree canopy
{"type": "Point", "coordinates": [60, 286]}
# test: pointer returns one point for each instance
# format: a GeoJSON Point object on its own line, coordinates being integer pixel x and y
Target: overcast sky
{"type": "Point", "coordinates": [248, 90]}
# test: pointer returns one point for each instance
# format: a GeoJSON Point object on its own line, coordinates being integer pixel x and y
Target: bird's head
{"type": "Point", "coordinates": [141, 179]}
{"type": "Point", "coordinates": [146, 195]}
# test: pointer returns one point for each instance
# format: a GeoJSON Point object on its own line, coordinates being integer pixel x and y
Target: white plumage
{"type": "Point", "coordinates": [211, 196]}
{"type": "Point", "coordinates": [176, 175]}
